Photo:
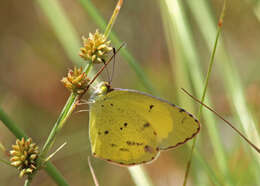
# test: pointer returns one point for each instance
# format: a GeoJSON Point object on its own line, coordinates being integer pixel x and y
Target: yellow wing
{"type": "Point", "coordinates": [130, 127]}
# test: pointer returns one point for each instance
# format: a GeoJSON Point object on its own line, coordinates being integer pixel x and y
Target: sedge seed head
{"type": "Point", "coordinates": [23, 156]}
{"type": "Point", "coordinates": [76, 80]}
{"type": "Point", "coordinates": [96, 47]}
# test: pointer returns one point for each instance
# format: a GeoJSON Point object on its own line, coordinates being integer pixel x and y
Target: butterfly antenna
{"type": "Point", "coordinates": [235, 129]}
{"type": "Point", "coordinates": [107, 72]}
{"type": "Point", "coordinates": [113, 66]}
{"type": "Point", "coordinates": [104, 66]}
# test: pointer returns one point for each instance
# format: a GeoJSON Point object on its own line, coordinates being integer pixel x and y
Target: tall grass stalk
{"type": "Point", "coordinates": [231, 78]}
{"type": "Point", "coordinates": [182, 80]}
{"type": "Point", "coordinates": [140, 176]}
{"type": "Point", "coordinates": [203, 15]}
{"type": "Point", "coordinates": [182, 30]}
{"type": "Point", "coordinates": [211, 61]}
{"type": "Point", "coordinates": [64, 30]}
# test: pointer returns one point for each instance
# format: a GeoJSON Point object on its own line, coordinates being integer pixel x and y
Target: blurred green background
{"type": "Point", "coordinates": [33, 59]}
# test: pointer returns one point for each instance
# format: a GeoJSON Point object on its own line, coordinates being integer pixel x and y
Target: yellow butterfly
{"type": "Point", "coordinates": [128, 127]}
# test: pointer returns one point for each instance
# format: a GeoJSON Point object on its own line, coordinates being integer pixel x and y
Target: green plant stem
{"type": "Point", "coordinates": [19, 133]}
{"type": "Point", "coordinates": [182, 80]}
{"type": "Point", "coordinates": [54, 174]}
{"type": "Point", "coordinates": [202, 100]}
{"type": "Point", "coordinates": [209, 70]}
{"type": "Point", "coordinates": [101, 23]}
{"type": "Point", "coordinates": [49, 168]}
{"type": "Point", "coordinates": [64, 115]}
{"type": "Point", "coordinates": [203, 15]}
{"type": "Point", "coordinates": [207, 168]}
{"type": "Point", "coordinates": [113, 18]}
{"type": "Point", "coordinates": [27, 182]}
{"type": "Point", "coordinates": [181, 28]}
{"type": "Point", "coordinates": [71, 102]}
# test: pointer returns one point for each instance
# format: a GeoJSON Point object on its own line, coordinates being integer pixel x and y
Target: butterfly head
{"type": "Point", "coordinates": [102, 89]}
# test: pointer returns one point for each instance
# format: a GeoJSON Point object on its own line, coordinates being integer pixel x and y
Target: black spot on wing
{"type": "Point", "coordinates": [124, 149]}
{"type": "Point", "coordinates": [132, 143]}
{"type": "Point", "coordinates": [106, 132]}
{"type": "Point", "coordinates": [146, 125]}
{"type": "Point", "coordinates": [125, 125]}
{"type": "Point", "coordinates": [150, 107]}
{"type": "Point", "coordinates": [148, 149]}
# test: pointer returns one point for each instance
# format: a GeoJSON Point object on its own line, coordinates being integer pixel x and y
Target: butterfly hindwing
{"type": "Point", "coordinates": [129, 127]}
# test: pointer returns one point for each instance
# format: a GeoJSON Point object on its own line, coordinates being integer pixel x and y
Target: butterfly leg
{"type": "Point", "coordinates": [84, 102]}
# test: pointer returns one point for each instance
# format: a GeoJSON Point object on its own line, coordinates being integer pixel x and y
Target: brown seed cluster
{"type": "Point", "coordinates": [96, 47]}
{"type": "Point", "coordinates": [24, 155]}
{"type": "Point", "coordinates": [76, 80]}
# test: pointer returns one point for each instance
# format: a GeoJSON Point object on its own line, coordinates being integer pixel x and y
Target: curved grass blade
{"type": "Point", "coordinates": [182, 80]}
{"type": "Point", "coordinates": [202, 13]}
{"type": "Point", "coordinates": [182, 30]}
